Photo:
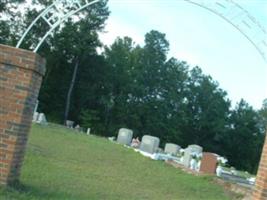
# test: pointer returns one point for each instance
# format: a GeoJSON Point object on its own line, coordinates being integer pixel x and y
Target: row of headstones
{"type": "Point", "coordinates": [150, 144]}
{"type": "Point", "coordinates": [39, 118]}
{"type": "Point", "coordinates": [77, 127]}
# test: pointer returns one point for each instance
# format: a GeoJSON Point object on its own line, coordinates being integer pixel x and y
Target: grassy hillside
{"type": "Point", "coordinates": [62, 165]}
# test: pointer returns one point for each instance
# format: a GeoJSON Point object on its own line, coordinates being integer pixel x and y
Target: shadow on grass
{"type": "Point", "coordinates": [26, 192]}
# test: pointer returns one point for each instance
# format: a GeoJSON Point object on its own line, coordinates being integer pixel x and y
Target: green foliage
{"type": "Point", "coordinates": [262, 123]}
{"type": "Point", "coordinates": [10, 21]}
{"type": "Point", "coordinates": [244, 140]}
{"type": "Point", "coordinates": [89, 118]}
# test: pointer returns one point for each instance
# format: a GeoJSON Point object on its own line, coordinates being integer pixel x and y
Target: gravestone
{"type": "Point", "coordinates": [171, 148]}
{"type": "Point", "coordinates": [69, 123]}
{"type": "Point", "coordinates": [189, 152]}
{"type": "Point", "coordinates": [35, 116]}
{"type": "Point", "coordinates": [195, 149]}
{"type": "Point", "coordinates": [208, 163]}
{"type": "Point", "coordinates": [88, 131]}
{"type": "Point", "coordinates": [149, 144]}
{"type": "Point", "coordinates": [125, 136]}
{"type": "Point", "coordinates": [187, 157]}
{"type": "Point", "coordinates": [41, 119]}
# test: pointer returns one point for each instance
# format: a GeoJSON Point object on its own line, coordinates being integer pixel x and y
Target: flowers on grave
{"type": "Point", "coordinates": [222, 161]}
{"type": "Point", "coordinates": [196, 156]}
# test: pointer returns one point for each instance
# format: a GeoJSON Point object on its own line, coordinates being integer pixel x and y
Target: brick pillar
{"type": "Point", "coordinates": [260, 190]}
{"type": "Point", "coordinates": [21, 75]}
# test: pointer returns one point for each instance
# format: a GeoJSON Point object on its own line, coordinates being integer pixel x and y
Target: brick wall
{"type": "Point", "coordinates": [260, 190]}
{"type": "Point", "coordinates": [21, 75]}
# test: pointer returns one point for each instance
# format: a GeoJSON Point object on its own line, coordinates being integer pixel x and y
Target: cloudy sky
{"type": "Point", "coordinates": [201, 38]}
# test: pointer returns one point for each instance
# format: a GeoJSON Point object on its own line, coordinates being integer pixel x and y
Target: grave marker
{"type": "Point", "coordinates": [189, 152]}
{"type": "Point", "coordinates": [149, 144]}
{"type": "Point", "coordinates": [125, 136]}
{"type": "Point", "coordinates": [208, 163]}
{"type": "Point", "coordinates": [187, 157]}
{"type": "Point", "coordinates": [171, 148]}
{"type": "Point", "coordinates": [195, 149]}
{"type": "Point", "coordinates": [69, 123]}
{"type": "Point", "coordinates": [88, 131]}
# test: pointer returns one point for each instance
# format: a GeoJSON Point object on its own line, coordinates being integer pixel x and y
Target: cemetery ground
{"type": "Point", "coordinates": [62, 164]}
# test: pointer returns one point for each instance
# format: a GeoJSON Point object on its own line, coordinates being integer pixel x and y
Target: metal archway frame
{"type": "Point", "coordinates": [240, 19]}
{"type": "Point", "coordinates": [56, 14]}
{"type": "Point", "coordinates": [228, 10]}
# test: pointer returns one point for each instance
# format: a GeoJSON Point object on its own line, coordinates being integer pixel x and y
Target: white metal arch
{"type": "Point", "coordinates": [240, 19]}
{"type": "Point", "coordinates": [55, 14]}
{"type": "Point", "coordinates": [228, 10]}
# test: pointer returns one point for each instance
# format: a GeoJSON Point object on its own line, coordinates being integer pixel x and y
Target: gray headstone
{"type": "Point", "coordinates": [69, 123]}
{"type": "Point", "coordinates": [41, 119]}
{"type": "Point", "coordinates": [187, 157]}
{"type": "Point", "coordinates": [149, 144]}
{"type": "Point", "coordinates": [195, 149]}
{"type": "Point", "coordinates": [171, 148]}
{"type": "Point", "coordinates": [125, 136]}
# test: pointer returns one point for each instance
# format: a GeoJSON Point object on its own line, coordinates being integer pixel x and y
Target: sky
{"type": "Point", "coordinates": [200, 38]}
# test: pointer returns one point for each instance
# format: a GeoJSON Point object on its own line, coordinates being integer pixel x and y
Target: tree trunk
{"type": "Point", "coordinates": [67, 107]}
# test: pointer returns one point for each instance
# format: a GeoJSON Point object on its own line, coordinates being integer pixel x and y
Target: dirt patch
{"type": "Point", "coordinates": [234, 191]}
{"type": "Point", "coordinates": [237, 192]}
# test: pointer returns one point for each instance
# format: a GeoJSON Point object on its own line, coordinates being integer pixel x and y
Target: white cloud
{"type": "Point", "coordinates": [115, 28]}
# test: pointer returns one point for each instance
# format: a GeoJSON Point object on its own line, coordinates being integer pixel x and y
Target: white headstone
{"type": "Point", "coordinates": [171, 148]}
{"type": "Point", "coordinates": [125, 136]}
{"type": "Point", "coordinates": [35, 117]}
{"type": "Point", "coordinates": [41, 119]}
{"type": "Point", "coordinates": [149, 144]}
{"type": "Point", "coordinates": [195, 149]}
{"type": "Point", "coordinates": [88, 131]}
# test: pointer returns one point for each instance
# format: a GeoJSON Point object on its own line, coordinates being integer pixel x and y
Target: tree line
{"type": "Point", "coordinates": [137, 87]}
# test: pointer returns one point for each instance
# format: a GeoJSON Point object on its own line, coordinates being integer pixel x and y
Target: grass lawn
{"type": "Point", "coordinates": [62, 165]}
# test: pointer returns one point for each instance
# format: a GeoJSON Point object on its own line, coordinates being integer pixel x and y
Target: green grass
{"type": "Point", "coordinates": [62, 165]}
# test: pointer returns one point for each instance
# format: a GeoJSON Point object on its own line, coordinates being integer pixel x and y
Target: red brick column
{"type": "Point", "coordinates": [21, 75]}
{"type": "Point", "coordinates": [260, 190]}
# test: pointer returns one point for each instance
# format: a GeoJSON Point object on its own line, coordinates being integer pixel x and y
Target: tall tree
{"type": "Point", "coordinates": [10, 21]}
{"type": "Point", "coordinates": [207, 110]}
{"type": "Point", "coordinates": [263, 117]}
{"type": "Point", "coordinates": [244, 140]}
{"type": "Point", "coordinates": [74, 44]}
